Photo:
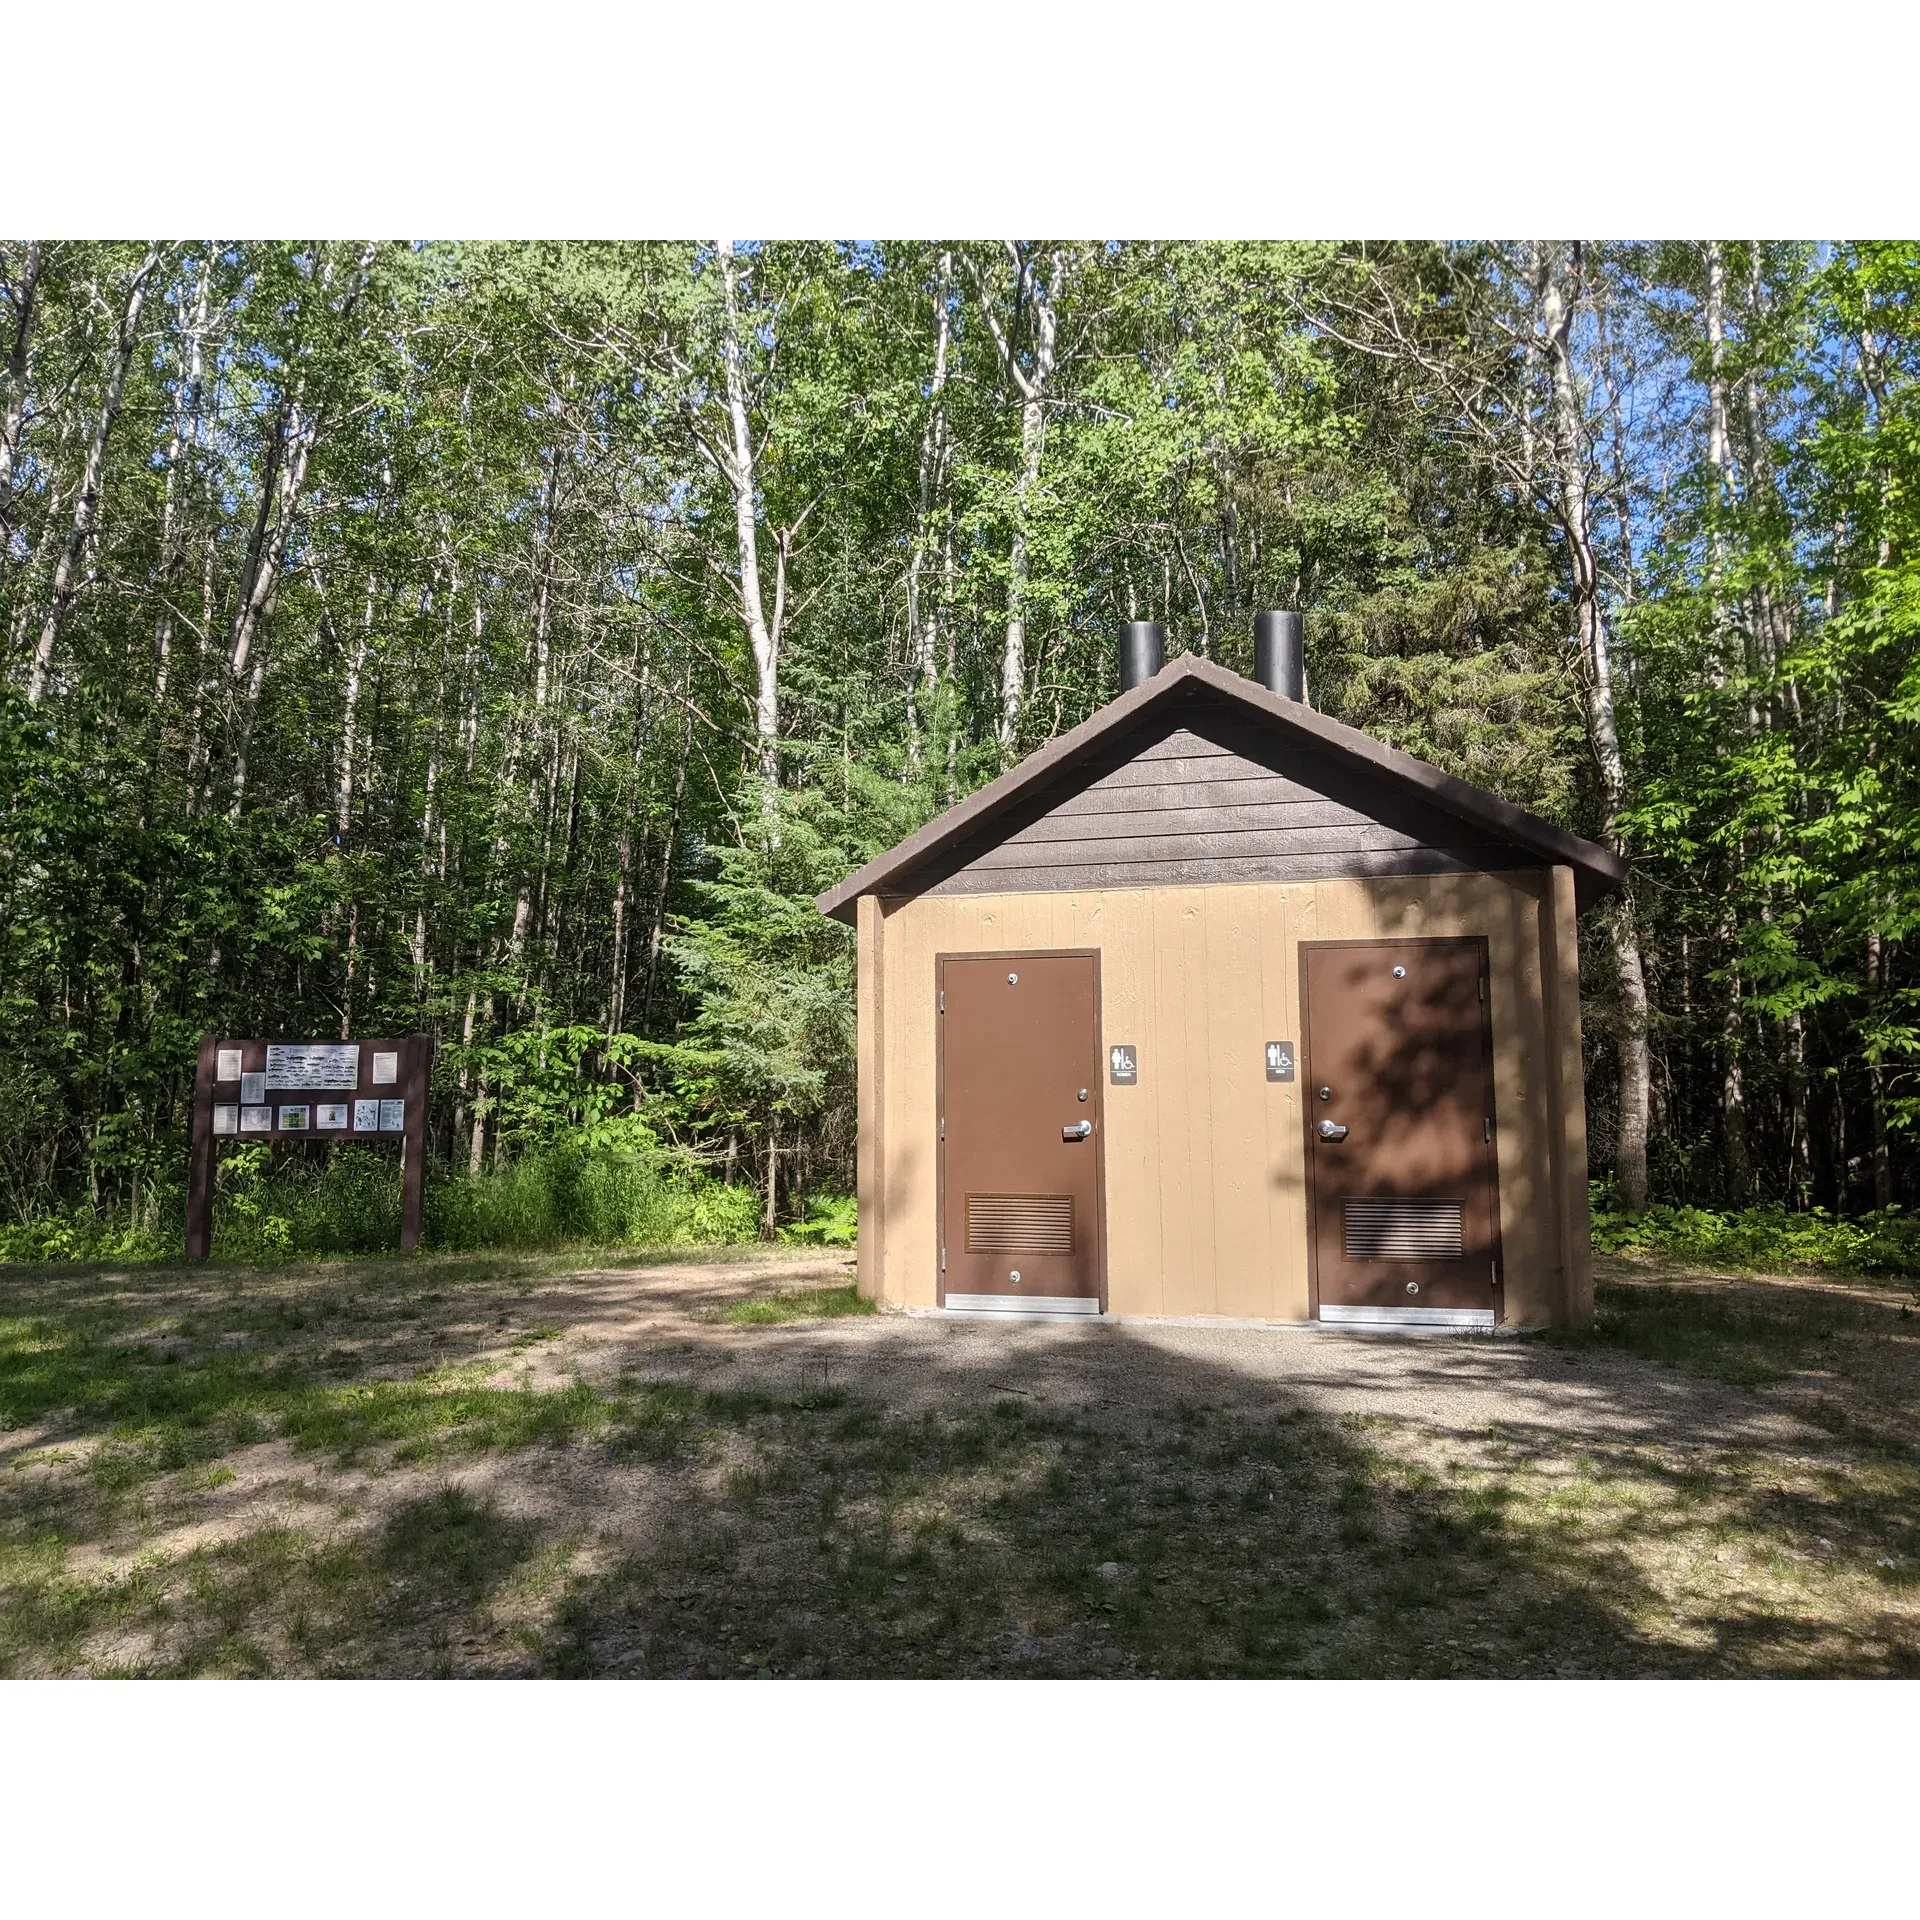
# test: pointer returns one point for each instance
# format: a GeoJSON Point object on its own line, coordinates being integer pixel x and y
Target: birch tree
{"type": "Point", "coordinates": [21, 286]}
{"type": "Point", "coordinates": [469, 561]}
{"type": "Point", "coordinates": [1483, 367]}
{"type": "Point", "coordinates": [923, 616]}
{"type": "Point", "coordinates": [1560, 295]}
{"type": "Point", "coordinates": [183, 438]}
{"type": "Point", "coordinates": [86, 505]}
{"type": "Point", "coordinates": [1037, 289]}
{"type": "Point", "coordinates": [290, 450]}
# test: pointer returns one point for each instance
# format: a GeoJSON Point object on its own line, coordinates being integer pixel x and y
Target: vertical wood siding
{"type": "Point", "coordinates": [870, 1147]}
{"type": "Point", "coordinates": [1205, 1158]}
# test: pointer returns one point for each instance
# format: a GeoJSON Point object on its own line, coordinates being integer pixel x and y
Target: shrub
{"type": "Point", "coordinates": [349, 1203]}
{"type": "Point", "coordinates": [832, 1220]}
{"type": "Point", "coordinates": [1883, 1242]}
{"type": "Point", "coordinates": [567, 1196]}
{"type": "Point", "coordinates": [83, 1233]}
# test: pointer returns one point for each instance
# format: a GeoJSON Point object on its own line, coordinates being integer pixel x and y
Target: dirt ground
{"type": "Point", "coordinates": [682, 1468]}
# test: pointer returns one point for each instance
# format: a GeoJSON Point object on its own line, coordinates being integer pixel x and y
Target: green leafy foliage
{"type": "Point", "coordinates": [831, 1220]}
{"type": "Point", "coordinates": [486, 758]}
{"type": "Point", "coordinates": [1766, 1238]}
{"type": "Point", "coordinates": [566, 1195]}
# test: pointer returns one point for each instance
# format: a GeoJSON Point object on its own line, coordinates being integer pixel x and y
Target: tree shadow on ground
{"type": "Point", "coordinates": [282, 1600]}
{"type": "Point", "coordinates": [999, 1517]}
{"type": "Point", "coordinates": [922, 1496]}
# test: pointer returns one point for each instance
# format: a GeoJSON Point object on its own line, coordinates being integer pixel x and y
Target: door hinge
{"type": "Point", "coordinates": [1486, 1133]}
{"type": "Point", "coordinates": [1493, 1270]}
{"type": "Point", "coordinates": [943, 1003]}
{"type": "Point", "coordinates": [943, 1259]}
{"type": "Point", "coordinates": [1483, 986]}
{"type": "Point", "coordinates": [943, 1126]}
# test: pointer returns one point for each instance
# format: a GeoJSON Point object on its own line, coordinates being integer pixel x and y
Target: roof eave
{"type": "Point", "coordinates": [979, 809]}
{"type": "Point", "coordinates": [1597, 871]}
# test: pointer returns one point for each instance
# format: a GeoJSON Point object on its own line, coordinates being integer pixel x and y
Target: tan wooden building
{"type": "Point", "coordinates": [1217, 1007]}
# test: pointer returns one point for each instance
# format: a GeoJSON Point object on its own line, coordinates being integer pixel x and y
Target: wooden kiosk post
{"type": "Point", "coordinates": [413, 1138]}
{"type": "Point", "coordinates": [360, 1090]}
{"type": "Point", "coordinates": [200, 1153]}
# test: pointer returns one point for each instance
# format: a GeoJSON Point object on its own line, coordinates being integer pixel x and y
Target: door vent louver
{"type": "Point", "coordinates": [1020, 1223]}
{"type": "Point", "coordinates": [1401, 1229]}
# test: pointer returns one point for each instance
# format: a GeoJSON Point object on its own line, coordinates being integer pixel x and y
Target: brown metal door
{"type": "Point", "coordinates": [1020, 1126]}
{"type": "Point", "coordinates": [1399, 1113]}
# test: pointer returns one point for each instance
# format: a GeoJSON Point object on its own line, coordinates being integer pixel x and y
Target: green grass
{"type": "Point", "coordinates": [159, 1398]}
{"type": "Point", "coordinates": [402, 1468]}
{"type": "Point", "coordinates": [802, 1303]}
{"type": "Point", "coordinates": [1747, 1340]}
{"type": "Point", "coordinates": [276, 1600]}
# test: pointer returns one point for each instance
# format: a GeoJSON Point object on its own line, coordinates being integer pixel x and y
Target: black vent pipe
{"type": "Point", "coordinates": [1143, 652]}
{"type": "Point", "coordinates": [1279, 654]}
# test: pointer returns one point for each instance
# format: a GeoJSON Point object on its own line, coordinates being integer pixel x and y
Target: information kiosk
{"type": "Point", "coordinates": [359, 1090]}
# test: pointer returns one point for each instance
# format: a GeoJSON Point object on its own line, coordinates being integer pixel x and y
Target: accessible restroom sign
{"type": "Point", "coordinates": [1124, 1066]}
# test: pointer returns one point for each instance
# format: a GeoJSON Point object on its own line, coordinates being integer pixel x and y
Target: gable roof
{"type": "Point", "coordinates": [1596, 871]}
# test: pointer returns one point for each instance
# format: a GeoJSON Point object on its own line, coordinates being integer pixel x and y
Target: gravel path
{"type": "Point", "coordinates": [1111, 1373]}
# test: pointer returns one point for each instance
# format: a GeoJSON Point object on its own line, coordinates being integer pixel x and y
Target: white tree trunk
{"type": "Point", "coordinates": [279, 503]}
{"type": "Point", "coordinates": [185, 434]}
{"type": "Point", "coordinates": [350, 717]}
{"type": "Point", "coordinates": [249, 707]}
{"type": "Point", "coordinates": [1560, 295]}
{"type": "Point", "coordinates": [923, 621]}
{"type": "Point", "coordinates": [1033, 384]}
{"type": "Point", "coordinates": [39, 563]}
{"type": "Point", "coordinates": [292, 450]}
{"type": "Point", "coordinates": [477, 1150]}
{"type": "Point", "coordinates": [13, 414]}
{"type": "Point", "coordinates": [1719, 454]}
{"type": "Point", "coordinates": [86, 506]}
{"type": "Point", "coordinates": [739, 473]}
{"type": "Point", "coordinates": [431, 818]}
{"type": "Point", "coordinates": [541, 647]}
{"type": "Point", "coordinates": [1013, 659]}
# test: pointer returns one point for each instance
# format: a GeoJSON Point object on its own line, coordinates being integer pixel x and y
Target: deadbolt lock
{"type": "Point", "coordinates": [1326, 1093]}
{"type": "Point", "coordinates": [1083, 1093]}
{"type": "Point", "coordinates": [1014, 1276]}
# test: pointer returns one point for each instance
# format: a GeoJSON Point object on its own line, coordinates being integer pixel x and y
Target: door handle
{"type": "Point", "coordinates": [1332, 1130]}
{"type": "Point", "coordinates": [1078, 1131]}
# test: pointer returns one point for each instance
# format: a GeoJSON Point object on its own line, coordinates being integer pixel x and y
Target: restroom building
{"type": "Point", "coordinates": [1217, 1007]}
